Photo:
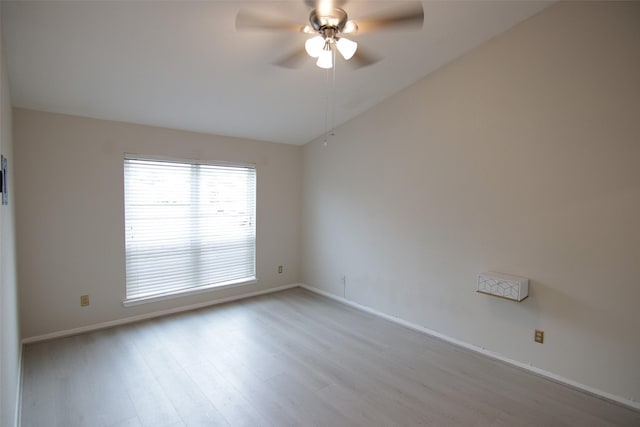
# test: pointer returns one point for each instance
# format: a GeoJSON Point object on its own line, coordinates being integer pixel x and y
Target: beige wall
{"type": "Point", "coordinates": [521, 157]}
{"type": "Point", "coordinates": [9, 325]}
{"type": "Point", "coordinates": [70, 214]}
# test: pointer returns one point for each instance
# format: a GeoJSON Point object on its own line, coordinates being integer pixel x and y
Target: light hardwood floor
{"type": "Point", "coordinates": [287, 359]}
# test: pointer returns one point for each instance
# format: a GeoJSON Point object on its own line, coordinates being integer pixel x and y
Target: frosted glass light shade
{"type": "Point", "coordinates": [325, 59]}
{"type": "Point", "coordinates": [346, 47]}
{"type": "Point", "coordinates": [314, 46]}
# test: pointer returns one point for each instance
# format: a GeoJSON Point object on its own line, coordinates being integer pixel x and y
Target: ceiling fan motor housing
{"type": "Point", "coordinates": [333, 20]}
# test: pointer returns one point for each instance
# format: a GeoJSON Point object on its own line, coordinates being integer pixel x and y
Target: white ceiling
{"type": "Point", "coordinates": [182, 64]}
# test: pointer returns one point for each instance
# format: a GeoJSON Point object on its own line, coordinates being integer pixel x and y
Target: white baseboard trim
{"type": "Point", "coordinates": [141, 317]}
{"type": "Point", "coordinates": [18, 415]}
{"type": "Point", "coordinates": [557, 378]}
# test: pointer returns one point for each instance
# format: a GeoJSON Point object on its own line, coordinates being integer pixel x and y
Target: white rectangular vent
{"type": "Point", "coordinates": [503, 285]}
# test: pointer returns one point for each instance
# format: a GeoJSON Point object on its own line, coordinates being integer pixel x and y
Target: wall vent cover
{"type": "Point", "coordinates": [503, 285]}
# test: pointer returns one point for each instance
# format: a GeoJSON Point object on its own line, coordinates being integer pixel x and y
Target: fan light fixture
{"type": "Point", "coordinates": [321, 48]}
{"type": "Point", "coordinates": [328, 24]}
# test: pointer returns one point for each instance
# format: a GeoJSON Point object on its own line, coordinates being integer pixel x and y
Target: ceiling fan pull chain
{"type": "Point", "coordinates": [329, 115]}
{"type": "Point", "coordinates": [326, 108]}
{"type": "Point", "coordinates": [333, 93]}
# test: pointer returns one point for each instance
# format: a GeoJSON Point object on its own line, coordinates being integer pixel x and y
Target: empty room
{"type": "Point", "coordinates": [319, 213]}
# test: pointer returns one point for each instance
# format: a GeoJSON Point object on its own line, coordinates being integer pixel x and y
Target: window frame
{"type": "Point", "coordinates": [199, 289]}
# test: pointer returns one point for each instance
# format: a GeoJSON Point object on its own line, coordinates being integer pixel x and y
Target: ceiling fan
{"type": "Point", "coordinates": [329, 23]}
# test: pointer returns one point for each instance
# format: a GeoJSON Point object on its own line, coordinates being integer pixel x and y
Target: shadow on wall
{"type": "Point", "coordinates": [546, 302]}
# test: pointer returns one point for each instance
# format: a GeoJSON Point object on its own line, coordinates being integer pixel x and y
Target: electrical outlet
{"type": "Point", "coordinates": [539, 336]}
{"type": "Point", "coordinates": [280, 269]}
{"type": "Point", "coordinates": [84, 300]}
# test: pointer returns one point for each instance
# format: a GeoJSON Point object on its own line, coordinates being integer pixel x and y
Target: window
{"type": "Point", "coordinates": [188, 227]}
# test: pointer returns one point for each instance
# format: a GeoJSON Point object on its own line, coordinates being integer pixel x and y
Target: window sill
{"type": "Point", "coordinates": [186, 292]}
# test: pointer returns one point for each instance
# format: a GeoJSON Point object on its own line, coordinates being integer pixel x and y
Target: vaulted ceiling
{"type": "Point", "coordinates": [183, 65]}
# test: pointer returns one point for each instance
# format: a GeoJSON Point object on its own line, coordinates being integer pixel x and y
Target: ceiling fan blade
{"type": "Point", "coordinates": [362, 58]}
{"type": "Point", "coordinates": [250, 21]}
{"type": "Point", "coordinates": [410, 18]}
{"type": "Point", "coordinates": [294, 59]}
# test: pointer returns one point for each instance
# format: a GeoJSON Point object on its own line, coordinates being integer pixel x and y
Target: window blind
{"type": "Point", "coordinates": [187, 226]}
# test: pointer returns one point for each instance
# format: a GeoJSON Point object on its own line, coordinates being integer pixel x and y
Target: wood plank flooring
{"type": "Point", "coordinates": [287, 359]}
